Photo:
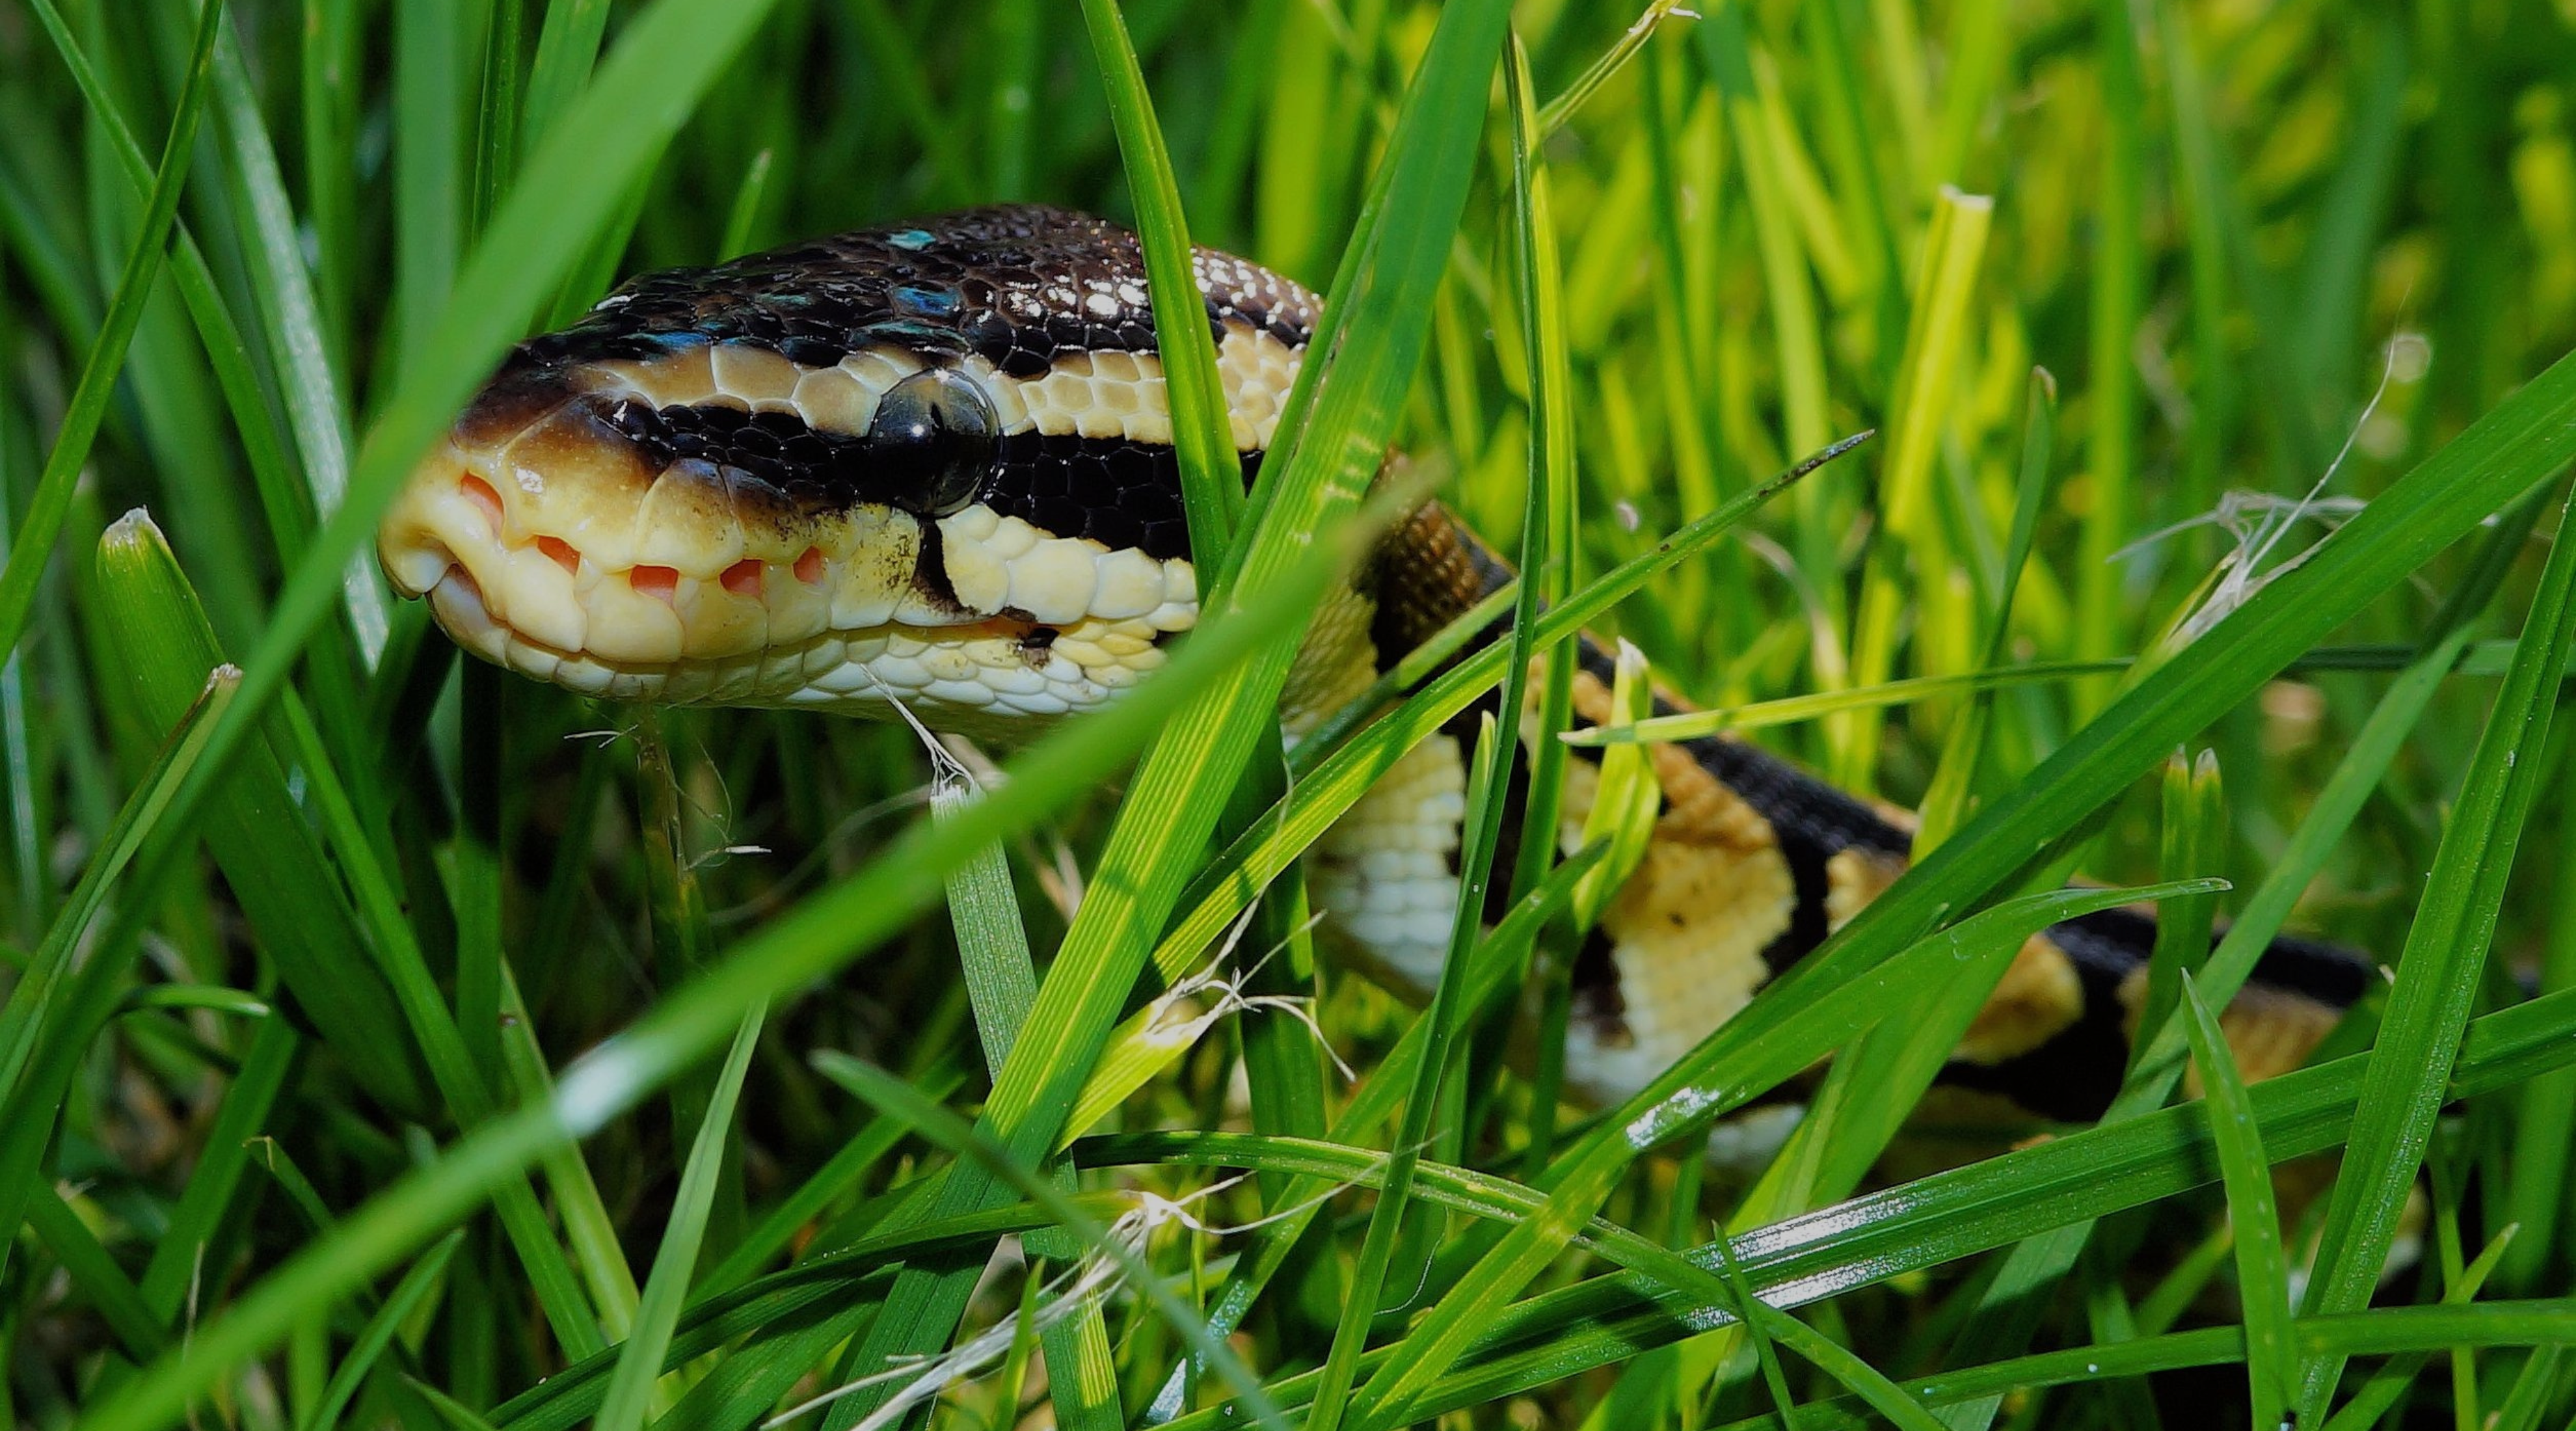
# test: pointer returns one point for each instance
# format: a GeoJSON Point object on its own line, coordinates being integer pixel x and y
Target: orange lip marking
{"type": "Point", "coordinates": [661, 581]}
{"type": "Point", "coordinates": [480, 493]}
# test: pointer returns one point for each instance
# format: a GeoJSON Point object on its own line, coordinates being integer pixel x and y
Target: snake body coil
{"type": "Point", "coordinates": [933, 464]}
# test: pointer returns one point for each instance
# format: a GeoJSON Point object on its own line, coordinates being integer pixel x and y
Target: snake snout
{"type": "Point", "coordinates": [546, 539]}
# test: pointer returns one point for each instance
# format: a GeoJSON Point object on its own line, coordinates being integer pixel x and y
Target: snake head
{"type": "Point", "coordinates": [929, 463]}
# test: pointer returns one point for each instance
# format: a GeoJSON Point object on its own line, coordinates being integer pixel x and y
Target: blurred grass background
{"type": "Point", "coordinates": [2268, 251]}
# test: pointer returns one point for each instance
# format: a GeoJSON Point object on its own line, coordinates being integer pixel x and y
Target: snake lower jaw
{"type": "Point", "coordinates": [996, 679]}
{"type": "Point", "coordinates": [805, 631]}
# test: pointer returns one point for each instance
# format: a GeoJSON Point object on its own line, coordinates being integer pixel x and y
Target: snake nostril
{"type": "Point", "coordinates": [656, 581]}
{"type": "Point", "coordinates": [560, 552]}
{"type": "Point", "coordinates": [809, 567]}
{"type": "Point", "coordinates": [479, 492]}
{"type": "Point", "coordinates": [743, 578]}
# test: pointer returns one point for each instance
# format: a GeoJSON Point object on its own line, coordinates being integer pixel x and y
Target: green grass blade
{"type": "Point", "coordinates": [42, 524]}
{"type": "Point", "coordinates": [432, 195]}
{"type": "Point", "coordinates": [32, 994]}
{"type": "Point", "coordinates": [1985, 941]}
{"type": "Point", "coordinates": [567, 47]}
{"type": "Point", "coordinates": [1421, 1100]}
{"type": "Point", "coordinates": [896, 1098]}
{"type": "Point", "coordinates": [1789, 710]}
{"type": "Point", "coordinates": [1337, 418]}
{"type": "Point", "coordinates": [1001, 983]}
{"type": "Point", "coordinates": [1496, 963]}
{"type": "Point", "coordinates": [378, 1334]}
{"type": "Point", "coordinates": [1328, 784]}
{"type": "Point", "coordinates": [2118, 283]}
{"type": "Point", "coordinates": [292, 325]}
{"type": "Point", "coordinates": [666, 1289]}
{"type": "Point", "coordinates": [1936, 1219]}
{"type": "Point", "coordinates": [795, 1212]}
{"type": "Point", "coordinates": [1919, 414]}
{"type": "Point", "coordinates": [247, 1110]}
{"type": "Point", "coordinates": [94, 1275]}
{"type": "Point", "coordinates": [1746, 203]}
{"type": "Point", "coordinates": [2262, 1268]}
{"type": "Point", "coordinates": [2483, 469]}
{"type": "Point", "coordinates": [1202, 434]}
{"type": "Point", "coordinates": [2195, 835]}
{"type": "Point", "coordinates": [2437, 974]}
{"type": "Point", "coordinates": [2031, 1268]}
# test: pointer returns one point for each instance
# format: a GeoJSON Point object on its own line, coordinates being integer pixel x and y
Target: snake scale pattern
{"type": "Point", "coordinates": [932, 464]}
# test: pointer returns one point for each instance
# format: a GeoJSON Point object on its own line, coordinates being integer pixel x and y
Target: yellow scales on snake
{"type": "Point", "coordinates": [932, 464]}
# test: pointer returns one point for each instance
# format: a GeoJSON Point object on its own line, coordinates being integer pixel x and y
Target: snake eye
{"type": "Point", "coordinates": [932, 441]}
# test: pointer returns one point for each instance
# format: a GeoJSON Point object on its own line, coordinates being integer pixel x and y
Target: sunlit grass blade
{"type": "Point", "coordinates": [393, 940]}
{"type": "Point", "coordinates": [1549, 512]}
{"type": "Point", "coordinates": [1908, 565]}
{"type": "Point", "coordinates": [1001, 983]}
{"type": "Point", "coordinates": [2117, 294]}
{"type": "Point", "coordinates": [1789, 710]}
{"type": "Point", "coordinates": [1553, 115]}
{"type": "Point", "coordinates": [2157, 1066]}
{"type": "Point", "coordinates": [1625, 799]}
{"type": "Point", "coordinates": [1500, 1200]}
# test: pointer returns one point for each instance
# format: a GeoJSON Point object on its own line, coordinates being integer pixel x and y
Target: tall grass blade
{"type": "Point", "coordinates": [2437, 975]}
{"type": "Point", "coordinates": [41, 526]}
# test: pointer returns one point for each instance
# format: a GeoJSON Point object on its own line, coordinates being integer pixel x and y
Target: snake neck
{"type": "Point", "coordinates": [1424, 574]}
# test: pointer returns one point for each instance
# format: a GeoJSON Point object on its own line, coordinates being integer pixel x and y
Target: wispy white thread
{"type": "Point", "coordinates": [2241, 571]}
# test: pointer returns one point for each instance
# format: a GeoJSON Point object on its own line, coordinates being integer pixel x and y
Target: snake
{"type": "Point", "coordinates": [931, 466]}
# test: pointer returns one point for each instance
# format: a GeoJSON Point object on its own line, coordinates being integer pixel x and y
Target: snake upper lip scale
{"type": "Point", "coordinates": [931, 463]}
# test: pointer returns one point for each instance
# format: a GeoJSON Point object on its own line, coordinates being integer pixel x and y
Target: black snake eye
{"type": "Point", "coordinates": [932, 441]}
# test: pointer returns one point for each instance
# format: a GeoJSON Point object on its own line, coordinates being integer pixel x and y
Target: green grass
{"type": "Point", "coordinates": [363, 1053]}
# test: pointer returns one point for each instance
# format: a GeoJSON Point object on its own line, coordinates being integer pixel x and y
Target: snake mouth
{"type": "Point", "coordinates": [952, 667]}
{"type": "Point", "coordinates": [559, 553]}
